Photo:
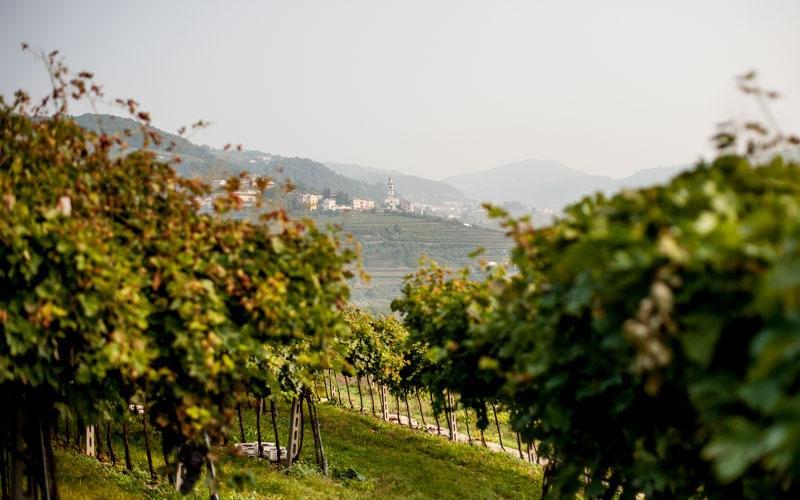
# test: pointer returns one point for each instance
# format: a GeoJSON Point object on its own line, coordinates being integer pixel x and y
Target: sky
{"type": "Point", "coordinates": [431, 88]}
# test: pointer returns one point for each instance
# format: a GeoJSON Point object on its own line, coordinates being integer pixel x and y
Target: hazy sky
{"type": "Point", "coordinates": [432, 88]}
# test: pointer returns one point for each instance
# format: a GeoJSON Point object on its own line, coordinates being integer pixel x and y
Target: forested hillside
{"type": "Point", "coordinates": [203, 162]}
{"type": "Point", "coordinates": [314, 174]}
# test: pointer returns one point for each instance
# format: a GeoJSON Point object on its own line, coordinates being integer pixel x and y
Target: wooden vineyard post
{"type": "Point", "coordinates": [241, 426]}
{"type": "Point", "coordinates": [294, 433]}
{"type": "Point", "coordinates": [451, 415]}
{"type": "Point", "coordinates": [273, 406]}
{"type": "Point", "coordinates": [316, 389]}
{"type": "Point", "coordinates": [371, 397]}
{"type": "Point", "coordinates": [435, 416]}
{"type": "Point", "coordinates": [258, 426]}
{"type": "Point", "coordinates": [497, 424]}
{"type": "Point", "coordinates": [312, 415]}
{"type": "Point", "coordinates": [325, 385]}
{"type": "Point", "coordinates": [421, 413]}
{"type": "Point", "coordinates": [147, 446]}
{"type": "Point", "coordinates": [108, 441]}
{"type": "Point", "coordinates": [335, 393]}
{"type": "Point", "coordinates": [313, 429]}
{"type": "Point", "coordinates": [98, 442]}
{"type": "Point", "coordinates": [347, 386]}
{"type": "Point", "coordinates": [384, 404]}
{"type": "Point", "coordinates": [28, 471]}
{"type": "Point", "coordinates": [90, 440]}
{"type": "Point", "coordinates": [408, 410]}
{"type": "Point", "coordinates": [128, 462]}
{"type": "Point", "coordinates": [360, 395]}
{"type": "Point", "coordinates": [79, 437]}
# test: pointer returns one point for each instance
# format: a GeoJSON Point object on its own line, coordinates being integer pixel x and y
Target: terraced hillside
{"type": "Point", "coordinates": [392, 244]}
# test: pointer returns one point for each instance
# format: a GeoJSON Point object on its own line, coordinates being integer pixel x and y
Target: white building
{"type": "Point", "coordinates": [406, 206]}
{"type": "Point", "coordinates": [359, 204]}
{"type": "Point", "coordinates": [391, 202]}
{"type": "Point", "coordinates": [309, 199]}
{"type": "Point", "coordinates": [328, 204]}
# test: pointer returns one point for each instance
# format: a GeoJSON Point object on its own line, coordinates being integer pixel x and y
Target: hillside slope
{"type": "Point", "coordinates": [204, 162]}
{"type": "Point", "coordinates": [393, 462]}
{"type": "Point", "coordinates": [195, 161]}
{"type": "Point", "coordinates": [318, 176]}
{"type": "Point", "coordinates": [392, 245]}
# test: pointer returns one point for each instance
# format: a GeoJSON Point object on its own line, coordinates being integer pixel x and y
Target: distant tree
{"type": "Point", "coordinates": [343, 198]}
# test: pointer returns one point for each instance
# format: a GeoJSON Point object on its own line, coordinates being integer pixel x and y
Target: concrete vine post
{"type": "Point", "coordinates": [384, 403]}
{"type": "Point", "coordinates": [90, 441]}
{"type": "Point", "coordinates": [292, 445]}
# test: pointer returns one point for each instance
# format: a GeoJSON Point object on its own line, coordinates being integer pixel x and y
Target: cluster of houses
{"type": "Point", "coordinates": [333, 201]}
{"type": "Point", "coordinates": [249, 194]}
{"type": "Point", "coordinates": [319, 201]}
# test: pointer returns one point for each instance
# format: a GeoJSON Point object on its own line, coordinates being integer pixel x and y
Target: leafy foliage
{"type": "Point", "coordinates": [645, 337]}
{"type": "Point", "coordinates": [439, 308]}
{"type": "Point", "coordinates": [115, 288]}
{"type": "Point", "coordinates": [646, 341]}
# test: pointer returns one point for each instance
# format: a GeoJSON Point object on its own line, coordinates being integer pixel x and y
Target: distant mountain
{"type": "Point", "coordinates": [549, 184]}
{"type": "Point", "coordinates": [414, 188]}
{"type": "Point", "coordinates": [652, 176]}
{"type": "Point", "coordinates": [538, 183]}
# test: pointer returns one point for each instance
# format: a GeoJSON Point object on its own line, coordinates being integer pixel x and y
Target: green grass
{"type": "Point", "coordinates": [509, 438]}
{"type": "Point", "coordinates": [394, 461]}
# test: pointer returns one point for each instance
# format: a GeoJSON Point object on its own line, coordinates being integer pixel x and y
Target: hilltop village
{"type": "Point", "coordinates": [332, 202]}
{"type": "Point", "coordinates": [328, 200]}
